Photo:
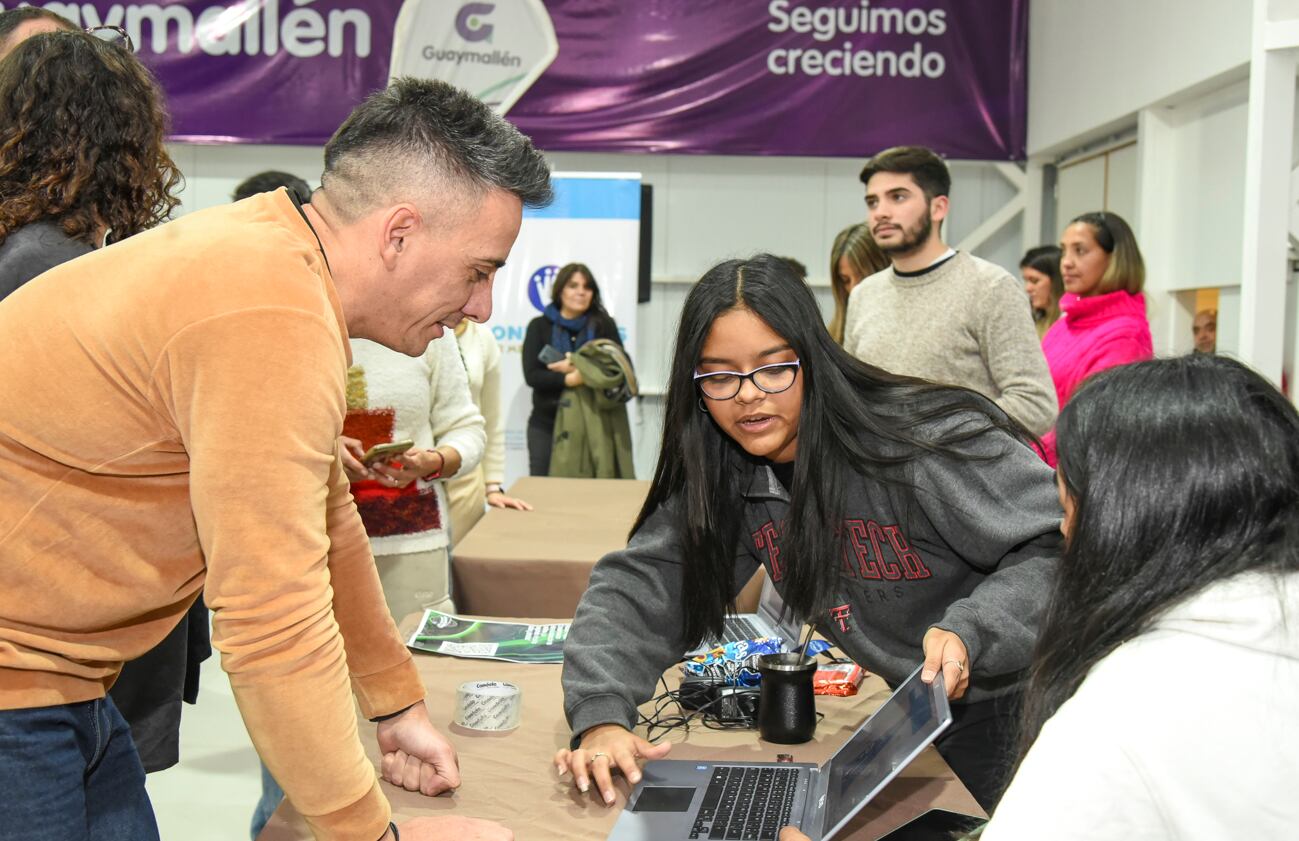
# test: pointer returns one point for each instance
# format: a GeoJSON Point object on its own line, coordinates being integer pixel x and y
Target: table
{"type": "Point", "coordinates": [536, 563]}
{"type": "Point", "coordinates": [508, 777]}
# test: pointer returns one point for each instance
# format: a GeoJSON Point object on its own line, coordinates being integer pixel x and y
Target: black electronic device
{"type": "Point", "coordinates": [696, 692]}
{"type": "Point", "coordinates": [738, 703]}
{"type": "Point", "coordinates": [644, 267]}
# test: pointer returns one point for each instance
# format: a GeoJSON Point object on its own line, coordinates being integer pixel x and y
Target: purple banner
{"type": "Point", "coordinates": [740, 77]}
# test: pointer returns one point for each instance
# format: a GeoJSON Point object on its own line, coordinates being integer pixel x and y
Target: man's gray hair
{"type": "Point", "coordinates": [431, 143]}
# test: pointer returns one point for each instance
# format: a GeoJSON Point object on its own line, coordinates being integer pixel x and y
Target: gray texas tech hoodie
{"type": "Point", "coordinates": [969, 546]}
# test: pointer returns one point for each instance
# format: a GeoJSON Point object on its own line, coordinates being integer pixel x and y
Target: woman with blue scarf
{"type": "Point", "coordinates": [574, 317]}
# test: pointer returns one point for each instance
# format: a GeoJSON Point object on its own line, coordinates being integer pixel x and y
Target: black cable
{"type": "Point", "coordinates": [662, 718]}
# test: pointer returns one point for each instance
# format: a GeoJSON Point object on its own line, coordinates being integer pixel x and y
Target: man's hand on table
{"type": "Point", "coordinates": [416, 756]}
{"type": "Point", "coordinates": [604, 749]}
{"type": "Point", "coordinates": [448, 827]}
{"type": "Point", "coordinates": [787, 834]}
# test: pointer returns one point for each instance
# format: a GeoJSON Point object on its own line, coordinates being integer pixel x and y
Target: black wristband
{"type": "Point", "coordinates": [379, 718]}
{"type": "Point", "coordinates": [396, 836]}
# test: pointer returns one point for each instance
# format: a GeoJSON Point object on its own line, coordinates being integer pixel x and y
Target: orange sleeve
{"type": "Point", "coordinates": [384, 677]}
{"type": "Point", "coordinates": [256, 396]}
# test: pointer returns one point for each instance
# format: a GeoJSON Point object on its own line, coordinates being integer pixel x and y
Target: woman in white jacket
{"type": "Point", "coordinates": [1162, 698]}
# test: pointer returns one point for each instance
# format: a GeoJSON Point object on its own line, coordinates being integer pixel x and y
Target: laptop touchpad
{"type": "Point", "coordinates": [664, 799]}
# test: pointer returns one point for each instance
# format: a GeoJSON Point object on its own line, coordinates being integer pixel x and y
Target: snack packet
{"type": "Point", "coordinates": [734, 664]}
{"type": "Point", "coordinates": [838, 679]}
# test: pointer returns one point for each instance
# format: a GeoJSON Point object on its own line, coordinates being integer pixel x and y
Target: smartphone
{"type": "Point", "coordinates": [550, 355]}
{"type": "Point", "coordinates": [379, 451]}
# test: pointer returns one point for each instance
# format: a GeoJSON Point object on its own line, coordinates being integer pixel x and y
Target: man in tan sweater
{"type": "Point", "coordinates": [938, 314]}
{"type": "Point", "coordinates": [172, 409]}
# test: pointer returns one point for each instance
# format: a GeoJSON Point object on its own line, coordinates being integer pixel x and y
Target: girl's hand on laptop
{"type": "Point", "coordinates": [607, 748]}
{"type": "Point", "coordinates": [791, 834]}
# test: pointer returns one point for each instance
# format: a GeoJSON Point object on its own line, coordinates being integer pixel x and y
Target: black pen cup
{"type": "Point", "coordinates": [787, 709]}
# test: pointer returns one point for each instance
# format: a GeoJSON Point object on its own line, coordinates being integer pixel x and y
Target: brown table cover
{"type": "Point", "coordinates": [509, 778]}
{"type": "Point", "coordinates": [537, 563]}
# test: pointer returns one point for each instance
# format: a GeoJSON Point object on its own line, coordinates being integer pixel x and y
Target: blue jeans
{"type": "Point", "coordinates": [272, 794]}
{"type": "Point", "coordinates": [71, 772]}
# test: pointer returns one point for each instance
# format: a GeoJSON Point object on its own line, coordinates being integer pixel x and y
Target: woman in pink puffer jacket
{"type": "Point", "coordinates": [1104, 322]}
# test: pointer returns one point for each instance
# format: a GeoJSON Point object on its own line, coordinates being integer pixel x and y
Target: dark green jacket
{"type": "Point", "coordinates": [592, 433]}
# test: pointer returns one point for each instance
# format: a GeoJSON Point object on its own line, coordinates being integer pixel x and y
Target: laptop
{"type": "Point", "coordinates": [683, 799]}
{"type": "Point", "coordinates": [767, 622]}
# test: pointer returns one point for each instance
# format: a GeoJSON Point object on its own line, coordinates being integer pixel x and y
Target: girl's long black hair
{"type": "Point", "coordinates": [856, 419]}
{"type": "Point", "coordinates": [1183, 472]}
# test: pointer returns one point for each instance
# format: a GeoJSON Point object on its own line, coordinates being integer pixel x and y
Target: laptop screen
{"type": "Point", "coordinates": [770, 607]}
{"type": "Point", "coordinates": [898, 731]}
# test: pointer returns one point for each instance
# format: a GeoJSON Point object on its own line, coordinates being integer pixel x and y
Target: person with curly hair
{"type": "Point", "coordinates": [71, 170]}
{"type": "Point", "coordinates": [82, 160]}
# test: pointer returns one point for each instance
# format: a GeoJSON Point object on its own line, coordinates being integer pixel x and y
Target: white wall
{"type": "Point", "coordinates": [706, 209]}
{"type": "Point", "coordinates": [1191, 206]}
{"type": "Point", "coordinates": [1094, 65]}
{"type": "Point", "coordinates": [1079, 188]}
{"type": "Point", "coordinates": [1178, 71]}
{"type": "Point", "coordinates": [1208, 156]}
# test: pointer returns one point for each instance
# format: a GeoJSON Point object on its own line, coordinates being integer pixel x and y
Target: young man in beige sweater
{"type": "Point", "coordinates": [936, 313]}
{"type": "Point", "coordinates": [173, 405]}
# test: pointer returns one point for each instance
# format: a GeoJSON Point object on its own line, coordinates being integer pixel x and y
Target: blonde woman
{"type": "Point", "coordinates": [470, 493]}
{"type": "Point", "coordinates": [853, 257]}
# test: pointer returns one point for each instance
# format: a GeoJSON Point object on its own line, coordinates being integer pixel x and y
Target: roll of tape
{"type": "Point", "coordinates": [488, 705]}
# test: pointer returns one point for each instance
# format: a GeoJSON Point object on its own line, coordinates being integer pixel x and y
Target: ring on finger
{"type": "Point", "coordinates": [597, 755]}
{"type": "Point", "coordinates": [960, 664]}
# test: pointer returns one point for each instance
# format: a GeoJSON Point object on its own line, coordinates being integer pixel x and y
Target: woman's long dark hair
{"type": "Point", "coordinates": [1183, 472]}
{"type": "Point", "coordinates": [856, 419]}
{"type": "Point", "coordinates": [81, 139]}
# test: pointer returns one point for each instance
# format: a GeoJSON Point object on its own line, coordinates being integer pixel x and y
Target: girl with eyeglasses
{"type": "Point", "coordinates": [910, 522]}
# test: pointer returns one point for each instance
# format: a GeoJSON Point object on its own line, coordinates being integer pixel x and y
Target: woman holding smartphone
{"type": "Point", "coordinates": [420, 406]}
{"type": "Point", "coordinates": [574, 317]}
{"type": "Point", "coordinates": [909, 521]}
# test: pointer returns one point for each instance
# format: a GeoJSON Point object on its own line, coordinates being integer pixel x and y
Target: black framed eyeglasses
{"type": "Point", "coordinates": [724, 385]}
{"type": "Point", "coordinates": [115, 35]}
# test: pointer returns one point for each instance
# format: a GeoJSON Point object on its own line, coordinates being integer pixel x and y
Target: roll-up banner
{"type": "Point", "coordinates": [595, 219]}
{"type": "Point", "coordinates": [747, 77]}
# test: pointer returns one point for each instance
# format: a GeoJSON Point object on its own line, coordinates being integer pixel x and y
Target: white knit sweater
{"type": "Point", "coordinates": [427, 400]}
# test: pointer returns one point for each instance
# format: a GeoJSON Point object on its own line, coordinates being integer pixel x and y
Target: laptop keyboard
{"type": "Point", "coordinates": [749, 804]}
{"type": "Point", "coordinates": [739, 629]}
